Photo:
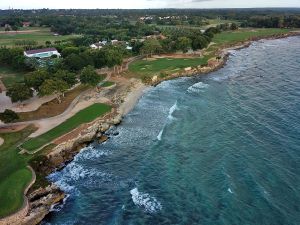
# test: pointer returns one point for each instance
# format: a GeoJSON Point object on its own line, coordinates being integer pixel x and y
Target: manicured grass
{"type": "Point", "coordinates": [11, 191]}
{"type": "Point", "coordinates": [108, 84]}
{"type": "Point", "coordinates": [232, 37]}
{"type": "Point", "coordinates": [53, 108]}
{"type": "Point", "coordinates": [40, 35]}
{"type": "Point", "coordinates": [168, 65]}
{"type": "Point", "coordinates": [14, 175]}
{"type": "Point", "coordinates": [10, 76]}
{"type": "Point", "coordinates": [84, 116]}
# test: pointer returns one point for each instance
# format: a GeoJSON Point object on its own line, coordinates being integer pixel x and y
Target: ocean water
{"type": "Point", "coordinates": [223, 148]}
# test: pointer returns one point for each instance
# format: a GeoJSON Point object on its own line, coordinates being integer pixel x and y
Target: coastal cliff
{"type": "Point", "coordinates": [42, 200]}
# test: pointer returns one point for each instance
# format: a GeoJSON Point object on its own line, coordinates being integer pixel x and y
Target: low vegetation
{"type": "Point", "coordinates": [10, 76]}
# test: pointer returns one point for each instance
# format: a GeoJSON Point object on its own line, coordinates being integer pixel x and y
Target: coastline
{"type": "Point", "coordinates": [65, 152]}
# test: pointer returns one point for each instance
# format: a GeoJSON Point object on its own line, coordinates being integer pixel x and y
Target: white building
{"type": "Point", "coordinates": [96, 46]}
{"type": "Point", "coordinates": [42, 53]}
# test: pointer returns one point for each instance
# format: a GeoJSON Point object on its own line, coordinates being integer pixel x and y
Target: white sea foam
{"type": "Point", "coordinates": [172, 110]}
{"type": "Point", "coordinates": [198, 87]}
{"type": "Point", "coordinates": [159, 136]}
{"type": "Point", "coordinates": [75, 172]}
{"type": "Point", "coordinates": [144, 200]}
{"type": "Point", "coordinates": [59, 206]}
{"type": "Point", "coordinates": [92, 153]}
{"type": "Point", "coordinates": [67, 188]}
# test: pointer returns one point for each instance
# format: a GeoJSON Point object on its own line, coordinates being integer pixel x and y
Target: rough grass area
{"type": "Point", "coordinates": [166, 65]}
{"type": "Point", "coordinates": [53, 108]}
{"type": "Point", "coordinates": [84, 116]}
{"type": "Point", "coordinates": [38, 34]}
{"type": "Point", "coordinates": [232, 37]}
{"type": "Point", "coordinates": [108, 84]}
{"type": "Point", "coordinates": [10, 76]}
{"type": "Point", "coordinates": [14, 175]}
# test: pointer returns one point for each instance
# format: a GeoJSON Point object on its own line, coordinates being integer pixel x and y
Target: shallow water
{"type": "Point", "coordinates": [217, 149]}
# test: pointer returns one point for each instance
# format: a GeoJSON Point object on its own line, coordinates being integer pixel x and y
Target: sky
{"type": "Point", "coordinates": [137, 4]}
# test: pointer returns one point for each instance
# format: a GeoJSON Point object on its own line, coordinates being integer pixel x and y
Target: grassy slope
{"type": "Point", "coordinates": [40, 36]}
{"type": "Point", "coordinates": [232, 37]}
{"type": "Point", "coordinates": [84, 116]}
{"type": "Point", "coordinates": [14, 176]}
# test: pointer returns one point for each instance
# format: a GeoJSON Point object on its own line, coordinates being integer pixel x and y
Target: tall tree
{"type": "Point", "coordinates": [36, 78]}
{"type": "Point", "coordinates": [89, 76]}
{"type": "Point", "coordinates": [150, 47]}
{"type": "Point", "coordinates": [184, 44]}
{"type": "Point", "coordinates": [19, 92]}
{"type": "Point", "coordinates": [69, 78]}
{"type": "Point", "coordinates": [54, 86]}
{"type": "Point", "coordinates": [9, 116]}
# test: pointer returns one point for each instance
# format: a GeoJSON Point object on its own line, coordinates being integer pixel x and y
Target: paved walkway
{"type": "Point", "coordinates": [51, 122]}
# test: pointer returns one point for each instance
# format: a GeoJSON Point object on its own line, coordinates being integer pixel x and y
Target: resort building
{"type": "Point", "coordinates": [26, 24]}
{"type": "Point", "coordinates": [42, 53]}
{"type": "Point", "coordinates": [96, 46]}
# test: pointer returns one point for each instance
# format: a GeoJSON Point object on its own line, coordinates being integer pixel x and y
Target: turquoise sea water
{"type": "Point", "coordinates": [223, 148]}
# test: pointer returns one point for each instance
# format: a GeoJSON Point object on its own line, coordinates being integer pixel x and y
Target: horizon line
{"type": "Point", "coordinates": [212, 8]}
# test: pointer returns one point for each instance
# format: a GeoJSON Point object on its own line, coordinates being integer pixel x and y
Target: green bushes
{"type": "Point", "coordinates": [9, 116]}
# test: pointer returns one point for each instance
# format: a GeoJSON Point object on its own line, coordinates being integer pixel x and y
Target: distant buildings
{"type": "Point", "coordinates": [26, 24]}
{"type": "Point", "coordinates": [101, 44]}
{"type": "Point", "coordinates": [42, 53]}
{"type": "Point", "coordinates": [96, 46]}
{"type": "Point", "coordinates": [114, 42]}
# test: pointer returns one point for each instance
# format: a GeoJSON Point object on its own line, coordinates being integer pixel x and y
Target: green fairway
{"type": "Point", "coordinates": [84, 116]}
{"type": "Point", "coordinates": [40, 35]}
{"type": "Point", "coordinates": [168, 65]}
{"type": "Point", "coordinates": [14, 175]}
{"type": "Point", "coordinates": [10, 76]}
{"type": "Point", "coordinates": [231, 37]}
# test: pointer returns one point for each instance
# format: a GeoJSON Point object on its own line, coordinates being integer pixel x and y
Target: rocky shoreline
{"type": "Point", "coordinates": [42, 200]}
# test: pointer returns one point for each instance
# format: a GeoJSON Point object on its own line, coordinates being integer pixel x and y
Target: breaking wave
{"type": "Point", "coordinates": [159, 136]}
{"type": "Point", "coordinates": [172, 110]}
{"type": "Point", "coordinates": [198, 87]}
{"type": "Point", "coordinates": [145, 201]}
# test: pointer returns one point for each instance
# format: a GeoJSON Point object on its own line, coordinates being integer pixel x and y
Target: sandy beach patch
{"type": "Point", "coordinates": [132, 98]}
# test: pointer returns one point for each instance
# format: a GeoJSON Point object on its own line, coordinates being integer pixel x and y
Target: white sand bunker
{"type": "Point", "coordinates": [1, 141]}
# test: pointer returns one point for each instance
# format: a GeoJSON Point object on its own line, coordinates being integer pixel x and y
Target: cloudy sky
{"type": "Point", "coordinates": [29, 4]}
